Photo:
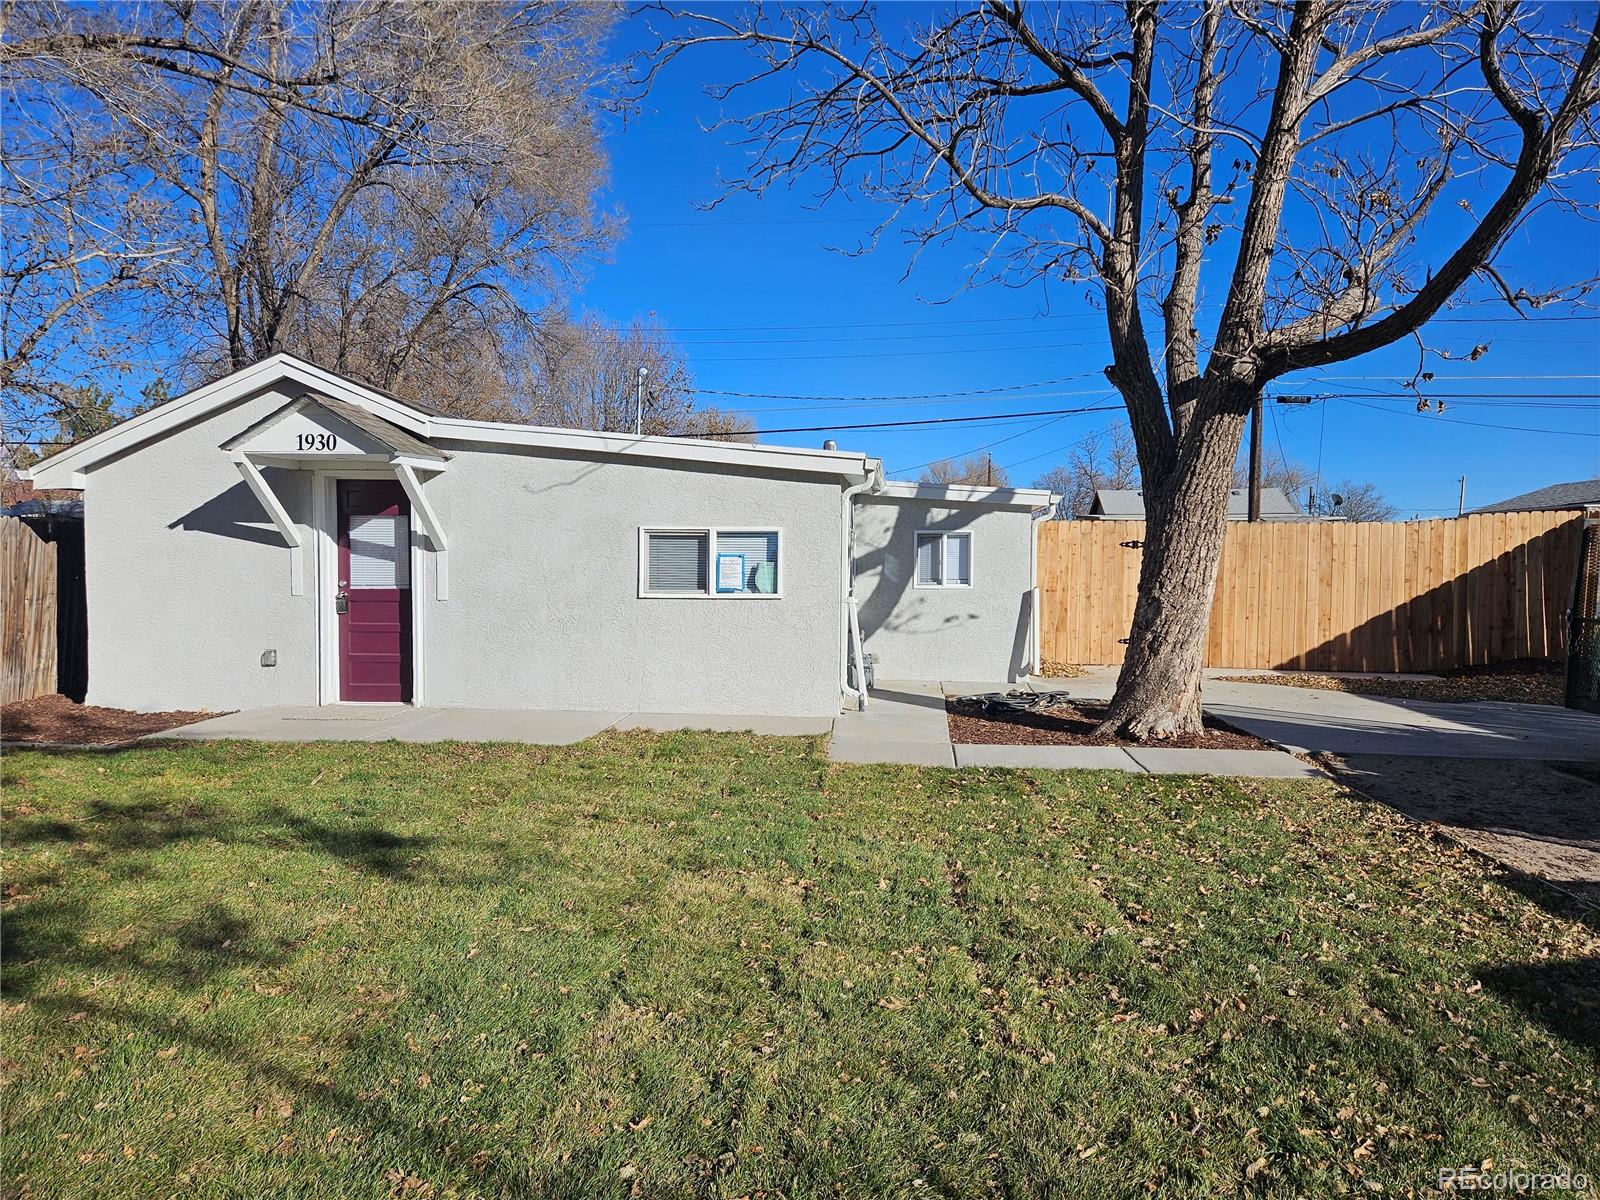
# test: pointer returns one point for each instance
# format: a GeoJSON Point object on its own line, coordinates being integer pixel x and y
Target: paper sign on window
{"type": "Point", "coordinates": [730, 572]}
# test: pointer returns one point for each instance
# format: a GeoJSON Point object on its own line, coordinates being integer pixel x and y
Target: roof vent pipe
{"type": "Point", "coordinates": [830, 444]}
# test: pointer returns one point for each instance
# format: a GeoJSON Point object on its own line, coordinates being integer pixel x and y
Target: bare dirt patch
{"type": "Point", "coordinates": [1540, 818]}
{"type": "Point", "coordinates": [1057, 721]}
{"type": "Point", "coordinates": [1524, 681]}
{"type": "Point", "coordinates": [56, 720]}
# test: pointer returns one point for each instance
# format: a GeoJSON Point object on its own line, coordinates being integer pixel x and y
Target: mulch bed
{"type": "Point", "coordinates": [1524, 681]}
{"type": "Point", "coordinates": [1065, 723]}
{"type": "Point", "coordinates": [57, 720]}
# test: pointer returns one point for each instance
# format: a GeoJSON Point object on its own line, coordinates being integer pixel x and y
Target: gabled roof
{"type": "Point", "coordinates": [1577, 494]}
{"type": "Point", "coordinates": [390, 436]}
{"type": "Point", "coordinates": [69, 468]}
{"type": "Point", "coordinates": [1125, 504]}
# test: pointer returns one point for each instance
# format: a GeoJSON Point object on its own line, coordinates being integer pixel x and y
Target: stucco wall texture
{"type": "Point", "coordinates": [977, 633]}
{"type": "Point", "coordinates": [188, 582]}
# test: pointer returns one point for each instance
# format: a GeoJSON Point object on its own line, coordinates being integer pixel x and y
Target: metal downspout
{"type": "Point", "coordinates": [849, 620]}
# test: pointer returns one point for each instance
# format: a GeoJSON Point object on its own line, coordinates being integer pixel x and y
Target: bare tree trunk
{"type": "Point", "coordinates": [1158, 690]}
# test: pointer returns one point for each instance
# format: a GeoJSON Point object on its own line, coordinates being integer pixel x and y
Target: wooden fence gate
{"type": "Point", "coordinates": [1331, 595]}
{"type": "Point", "coordinates": [28, 613]}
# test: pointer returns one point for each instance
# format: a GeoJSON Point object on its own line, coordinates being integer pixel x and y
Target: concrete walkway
{"type": "Point", "coordinates": [906, 723]}
{"type": "Point", "coordinates": [1307, 720]}
{"type": "Point", "coordinates": [393, 722]}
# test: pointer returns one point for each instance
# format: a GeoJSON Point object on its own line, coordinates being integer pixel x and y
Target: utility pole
{"type": "Point", "coordinates": [988, 462]}
{"type": "Point", "coordinates": [1461, 504]}
{"type": "Point", "coordinates": [1255, 460]}
{"type": "Point", "coordinates": [638, 402]}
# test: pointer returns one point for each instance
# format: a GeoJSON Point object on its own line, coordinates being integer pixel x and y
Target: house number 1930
{"type": "Point", "coordinates": [316, 441]}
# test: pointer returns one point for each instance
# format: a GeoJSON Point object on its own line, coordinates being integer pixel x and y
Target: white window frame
{"type": "Point", "coordinates": [710, 532]}
{"type": "Point", "coordinates": [943, 535]}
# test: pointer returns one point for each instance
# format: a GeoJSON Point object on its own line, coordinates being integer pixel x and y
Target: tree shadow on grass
{"type": "Point", "coordinates": [110, 828]}
{"type": "Point", "coordinates": [443, 1154]}
{"type": "Point", "coordinates": [1563, 996]}
{"type": "Point", "coordinates": [46, 935]}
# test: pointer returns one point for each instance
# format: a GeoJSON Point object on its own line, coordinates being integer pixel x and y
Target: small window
{"type": "Point", "coordinates": [944, 560]}
{"type": "Point", "coordinates": [677, 563]}
{"type": "Point", "coordinates": [380, 552]}
{"type": "Point", "coordinates": [709, 562]}
{"type": "Point", "coordinates": [758, 555]}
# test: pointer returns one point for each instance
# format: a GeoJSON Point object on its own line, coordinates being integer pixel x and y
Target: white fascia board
{"type": "Point", "coordinates": [1026, 499]}
{"type": "Point", "coordinates": [846, 465]}
{"type": "Point", "coordinates": [67, 469]}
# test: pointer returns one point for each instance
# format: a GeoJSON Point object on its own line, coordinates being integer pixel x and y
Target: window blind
{"type": "Point", "coordinates": [677, 562]}
{"type": "Point", "coordinates": [760, 550]}
{"type": "Point", "coordinates": [929, 563]}
{"type": "Point", "coordinates": [958, 558]}
{"type": "Point", "coordinates": [380, 552]}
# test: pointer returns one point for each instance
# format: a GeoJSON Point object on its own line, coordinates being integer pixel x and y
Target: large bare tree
{"type": "Point", "coordinates": [1261, 169]}
{"type": "Point", "coordinates": [584, 375]}
{"type": "Point", "coordinates": [394, 189]}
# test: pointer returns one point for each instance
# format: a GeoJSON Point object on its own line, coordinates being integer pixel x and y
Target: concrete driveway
{"type": "Point", "coordinates": [1309, 721]}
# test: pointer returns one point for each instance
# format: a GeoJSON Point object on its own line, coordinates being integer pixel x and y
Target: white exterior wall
{"type": "Point", "coordinates": [977, 633]}
{"type": "Point", "coordinates": [188, 579]}
{"type": "Point", "coordinates": [544, 608]}
{"type": "Point", "coordinates": [188, 582]}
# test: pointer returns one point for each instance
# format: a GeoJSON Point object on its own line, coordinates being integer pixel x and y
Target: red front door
{"type": "Point", "coordinates": [374, 597]}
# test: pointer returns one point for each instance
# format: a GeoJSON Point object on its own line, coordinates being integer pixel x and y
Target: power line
{"type": "Point", "coordinates": [1021, 416]}
{"type": "Point", "coordinates": [1479, 424]}
{"type": "Point", "coordinates": [989, 446]}
{"type": "Point", "coordinates": [1091, 317]}
{"type": "Point", "coordinates": [983, 391]}
{"type": "Point", "coordinates": [768, 358]}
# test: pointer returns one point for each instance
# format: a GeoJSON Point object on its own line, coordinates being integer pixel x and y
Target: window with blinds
{"type": "Point", "coordinates": [760, 550]}
{"type": "Point", "coordinates": [380, 552]}
{"type": "Point", "coordinates": [709, 562]}
{"type": "Point", "coordinates": [676, 563]}
{"type": "Point", "coordinates": [944, 560]}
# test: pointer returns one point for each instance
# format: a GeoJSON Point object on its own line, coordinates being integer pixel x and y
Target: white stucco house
{"type": "Point", "coordinates": [286, 536]}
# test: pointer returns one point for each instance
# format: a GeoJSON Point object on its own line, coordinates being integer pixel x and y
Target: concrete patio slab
{"type": "Point", "coordinates": [924, 752]}
{"type": "Point", "coordinates": [532, 726]}
{"type": "Point", "coordinates": [1055, 758]}
{"type": "Point", "coordinates": [1253, 764]}
{"type": "Point", "coordinates": [363, 723]}
{"type": "Point", "coordinates": [335, 723]}
{"type": "Point", "coordinates": [778, 726]}
{"type": "Point", "coordinates": [1309, 721]}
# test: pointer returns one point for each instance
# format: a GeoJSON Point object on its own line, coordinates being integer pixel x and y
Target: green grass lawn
{"type": "Point", "coordinates": [715, 965]}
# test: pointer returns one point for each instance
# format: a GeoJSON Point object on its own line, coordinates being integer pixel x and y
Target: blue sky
{"type": "Point", "coordinates": [763, 300]}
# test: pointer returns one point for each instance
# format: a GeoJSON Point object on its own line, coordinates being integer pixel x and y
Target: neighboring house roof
{"type": "Point", "coordinates": [1124, 504]}
{"type": "Point", "coordinates": [961, 493]}
{"type": "Point", "coordinates": [381, 431]}
{"type": "Point", "coordinates": [1577, 494]}
{"type": "Point", "coordinates": [68, 468]}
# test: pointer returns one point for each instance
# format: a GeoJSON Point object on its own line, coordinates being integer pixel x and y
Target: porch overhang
{"type": "Point", "coordinates": [324, 435]}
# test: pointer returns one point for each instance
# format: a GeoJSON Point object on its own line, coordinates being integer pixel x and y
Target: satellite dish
{"type": "Point", "coordinates": [1337, 499]}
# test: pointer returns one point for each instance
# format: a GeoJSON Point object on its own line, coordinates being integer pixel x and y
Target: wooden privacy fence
{"type": "Point", "coordinates": [1331, 595]}
{"type": "Point", "coordinates": [28, 613]}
